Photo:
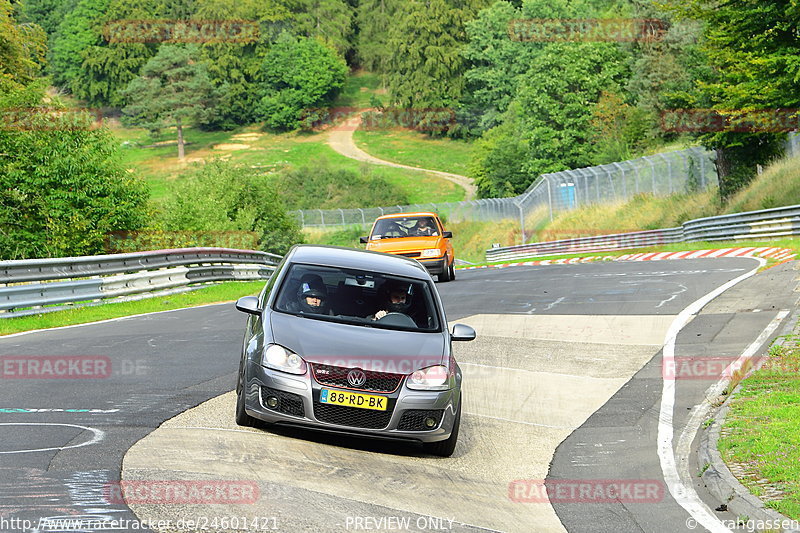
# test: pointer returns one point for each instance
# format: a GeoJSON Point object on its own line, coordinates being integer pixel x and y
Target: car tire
{"type": "Point", "coordinates": [242, 418]}
{"type": "Point", "coordinates": [445, 448]}
{"type": "Point", "coordinates": [445, 275]}
{"type": "Point", "coordinates": [453, 271]}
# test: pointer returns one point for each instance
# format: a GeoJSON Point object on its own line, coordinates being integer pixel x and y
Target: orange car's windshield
{"type": "Point", "coordinates": [393, 228]}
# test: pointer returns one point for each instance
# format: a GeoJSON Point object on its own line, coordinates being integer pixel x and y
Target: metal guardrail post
{"type": "Point", "coordinates": [685, 168]}
{"type": "Point", "coordinates": [652, 172]}
{"type": "Point", "coordinates": [636, 174]}
{"type": "Point", "coordinates": [624, 185]}
{"type": "Point", "coordinates": [596, 182]}
{"type": "Point", "coordinates": [669, 170]}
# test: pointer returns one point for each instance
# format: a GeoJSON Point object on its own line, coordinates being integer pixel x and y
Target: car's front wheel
{"type": "Point", "coordinates": [242, 418]}
{"type": "Point", "coordinates": [445, 448]}
{"type": "Point", "coordinates": [445, 275]}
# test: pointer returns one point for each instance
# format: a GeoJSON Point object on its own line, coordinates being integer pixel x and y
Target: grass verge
{"type": "Point", "coordinates": [416, 149]}
{"type": "Point", "coordinates": [223, 292]}
{"type": "Point", "coordinates": [761, 434]}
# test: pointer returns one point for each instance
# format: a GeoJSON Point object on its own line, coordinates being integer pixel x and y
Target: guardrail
{"type": "Point", "coordinates": [27, 286]}
{"type": "Point", "coordinates": [752, 225]}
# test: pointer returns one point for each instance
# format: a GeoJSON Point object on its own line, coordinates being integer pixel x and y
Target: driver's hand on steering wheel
{"type": "Point", "coordinates": [380, 314]}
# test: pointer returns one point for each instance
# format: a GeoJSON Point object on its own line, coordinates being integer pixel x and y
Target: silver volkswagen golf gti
{"type": "Point", "coordinates": [355, 342]}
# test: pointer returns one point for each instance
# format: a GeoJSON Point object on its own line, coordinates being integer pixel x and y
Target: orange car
{"type": "Point", "coordinates": [420, 236]}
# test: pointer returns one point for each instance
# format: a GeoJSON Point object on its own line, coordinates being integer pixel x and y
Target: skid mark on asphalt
{"type": "Point", "coordinates": [526, 386]}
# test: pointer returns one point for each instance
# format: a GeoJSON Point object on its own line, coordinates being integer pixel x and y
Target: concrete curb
{"type": "Point", "coordinates": [720, 481]}
{"type": "Point", "coordinates": [779, 254]}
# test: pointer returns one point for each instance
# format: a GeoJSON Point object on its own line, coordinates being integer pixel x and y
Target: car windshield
{"type": "Point", "coordinates": [358, 297]}
{"type": "Point", "coordinates": [398, 227]}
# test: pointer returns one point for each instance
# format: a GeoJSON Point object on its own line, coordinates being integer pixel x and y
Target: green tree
{"type": "Point", "coordinates": [223, 197]}
{"type": "Point", "coordinates": [108, 66]}
{"type": "Point", "coordinates": [48, 14]}
{"type": "Point", "coordinates": [331, 21]}
{"type": "Point", "coordinates": [62, 186]}
{"type": "Point", "coordinates": [551, 112]}
{"type": "Point", "coordinates": [426, 68]}
{"type": "Point", "coordinates": [236, 65]}
{"type": "Point", "coordinates": [752, 48]}
{"type": "Point", "coordinates": [173, 89]}
{"type": "Point", "coordinates": [496, 63]}
{"type": "Point", "coordinates": [298, 74]}
{"type": "Point", "coordinates": [498, 157]}
{"type": "Point", "coordinates": [78, 30]}
{"type": "Point", "coordinates": [618, 129]}
{"type": "Point", "coordinates": [374, 19]}
{"type": "Point", "coordinates": [22, 47]}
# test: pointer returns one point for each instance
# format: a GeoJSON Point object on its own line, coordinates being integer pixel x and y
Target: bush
{"type": "Point", "coordinates": [221, 197]}
{"type": "Point", "coordinates": [319, 186]}
{"type": "Point", "coordinates": [62, 186]}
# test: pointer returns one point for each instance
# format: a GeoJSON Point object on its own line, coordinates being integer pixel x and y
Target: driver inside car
{"type": "Point", "coordinates": [396, 298]}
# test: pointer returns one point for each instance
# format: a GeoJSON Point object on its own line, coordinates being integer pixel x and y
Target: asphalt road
{"type": "Point", "coordinates": [63, 440]}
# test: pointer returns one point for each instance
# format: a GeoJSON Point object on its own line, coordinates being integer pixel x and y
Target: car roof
{"type": "Point", "coordinates": [408, 215]}
{"type": "Point", "coordinates": [338, 256]}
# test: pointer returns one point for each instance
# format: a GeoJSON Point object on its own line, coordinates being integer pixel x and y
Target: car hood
{"type": "Point", "coordinates": [379, 350]}
{"type": "Point", "coordinates": [404, 244]}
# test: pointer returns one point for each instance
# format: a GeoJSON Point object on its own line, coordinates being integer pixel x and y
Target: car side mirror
{"type": "Point", "coordinates": [447, 234]}
{"type": "Point", "coordinates": [248, 304]}
{"type": "Point", "coordinates": [462, 332]}
{"type": "Point", "coordinates": [363, 240]}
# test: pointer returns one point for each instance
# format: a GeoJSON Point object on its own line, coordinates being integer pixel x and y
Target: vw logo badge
{"type": "Point", "coordinates": [356, 377]}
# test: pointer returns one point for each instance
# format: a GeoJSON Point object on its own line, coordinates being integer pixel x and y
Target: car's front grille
{"type": "Point", "coordinates": [411, 254]}
{"type": "Point", "coordinates": [336, 376]}
{"type": "Point", "coordinates": [353, 416]}
{"type": "Point", "coordinates": [414, 419]}
{"type": "Point", "coordinates": [288, 403]}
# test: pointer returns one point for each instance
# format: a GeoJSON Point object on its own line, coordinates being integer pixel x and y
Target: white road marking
{"type": "Point", "coordinates": [699, 413]}
{"type": "Point", "coordinates": [117, 319]}
{"type": "Point", "coordinates": [553, 304]}
{"type": "Point", "coordinates": [674, 295]}
{"type": "Point", "coordinates": [98, 435]}
{"type": "Point", "coordinates": [685, 494]}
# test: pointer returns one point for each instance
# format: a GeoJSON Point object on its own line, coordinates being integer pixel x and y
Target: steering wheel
{"type": "Point", "coordinates": [397, 319]}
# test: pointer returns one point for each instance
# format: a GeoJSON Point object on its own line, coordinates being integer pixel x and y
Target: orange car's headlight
{"type": "Point", "coordinates": [431, 252]}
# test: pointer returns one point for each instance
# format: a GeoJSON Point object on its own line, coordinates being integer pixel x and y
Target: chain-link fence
{"type": "Point", "coordinates": [682, 171]}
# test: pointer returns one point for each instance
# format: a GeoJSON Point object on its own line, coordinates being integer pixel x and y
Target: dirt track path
{"type": "Point", "coordinates": [341, 140]}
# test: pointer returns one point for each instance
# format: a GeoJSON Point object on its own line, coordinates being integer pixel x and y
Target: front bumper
{"type": "Point", "coordinates": [299, 406]}
{"type": "Point", "coordinates": [435, 266]}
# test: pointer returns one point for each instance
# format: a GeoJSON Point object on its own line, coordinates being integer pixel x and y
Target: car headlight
{"type": "Point", "coordinates": [431, 252]}
{"type": "Point", "coordinates": [279, 358]}
{"type": "Point", "coordinates": [430, 378]}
